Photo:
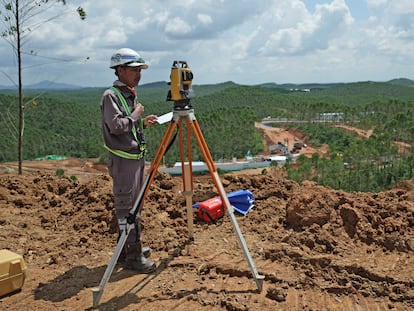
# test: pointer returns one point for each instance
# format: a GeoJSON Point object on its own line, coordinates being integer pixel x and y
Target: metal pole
{"type": "Point", "coordinates": [98, 291]}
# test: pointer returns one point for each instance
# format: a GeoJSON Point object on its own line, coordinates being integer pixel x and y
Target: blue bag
{"type": "Point", "coordinates": [241, 200]}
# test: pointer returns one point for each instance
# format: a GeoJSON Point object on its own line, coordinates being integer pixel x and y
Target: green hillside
{"type": "Point", "coordinates": [68, 122]}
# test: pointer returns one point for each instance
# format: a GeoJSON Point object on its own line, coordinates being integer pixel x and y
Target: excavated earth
{"type": "Point", "coordinates": [317, 248]}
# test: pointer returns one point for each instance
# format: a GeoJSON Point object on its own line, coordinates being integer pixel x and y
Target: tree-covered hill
{"type": "Point", "coordinates": [368, 91]}
{"type": "Point", "coordinates": [68, 122]}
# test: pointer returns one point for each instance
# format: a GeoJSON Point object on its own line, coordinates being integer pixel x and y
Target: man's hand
{"type": "Point", "coordinates": [139, 109]}
{"type": "Point", "coordinates": [150, 120]}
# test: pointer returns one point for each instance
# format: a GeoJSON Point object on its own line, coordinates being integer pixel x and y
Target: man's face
{"type": "Point", "coordinates": [129, 75]}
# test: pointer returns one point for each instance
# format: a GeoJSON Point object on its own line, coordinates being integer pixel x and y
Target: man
{"type": "Point", "coordinates": [122, 126]}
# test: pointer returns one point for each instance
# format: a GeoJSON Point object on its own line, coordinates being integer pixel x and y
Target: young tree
{"type": "Point", "coordinates": [20, 18]}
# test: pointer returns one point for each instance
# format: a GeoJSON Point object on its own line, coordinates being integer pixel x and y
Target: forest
{"type": "Point", "coordinates": [68, 123]}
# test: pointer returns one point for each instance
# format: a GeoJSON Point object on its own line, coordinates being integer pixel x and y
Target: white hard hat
{"type": "Point", "coordinates": [127, 57]}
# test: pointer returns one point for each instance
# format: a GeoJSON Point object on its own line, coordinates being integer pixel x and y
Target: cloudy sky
{"type": "Point", "coordinates": [244, 41]}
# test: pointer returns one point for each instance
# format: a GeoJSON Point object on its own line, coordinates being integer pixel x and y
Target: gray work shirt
{"type": "Point", "coordinates": [116, 125]}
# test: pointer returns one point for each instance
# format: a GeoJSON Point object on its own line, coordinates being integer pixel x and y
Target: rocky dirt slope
{"type": "Point", "coordinates": [318, 248]}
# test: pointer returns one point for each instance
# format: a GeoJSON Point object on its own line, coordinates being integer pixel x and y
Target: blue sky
{"type": "Point", "coordinates": [245, 41]}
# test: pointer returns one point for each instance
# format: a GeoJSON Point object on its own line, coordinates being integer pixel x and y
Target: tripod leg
{"type": "Point", "coordinates": [188, 184]}
{"type": "Point", "coordinates": [182, 155]}
{"type": "Point", "coordinates": [162, 149]}
{"type": "Point", "coordinates": [189, 201]}
{"type": "Point", "coordinates": [98, 291]}
{"type": "Point", "coordinates": [152, 171]}
{"type": "Point", "coordinates": [186, 169]}
{"type": "Point", "coordinates": [230, 211]}
{"type": "Point", "coordinates": [137, 206]}
{"type": "Point", "coordinates": [189, 153]}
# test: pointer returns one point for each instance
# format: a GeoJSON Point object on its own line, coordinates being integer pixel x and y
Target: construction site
{"type": "Point", "coordinates": [316, 248]}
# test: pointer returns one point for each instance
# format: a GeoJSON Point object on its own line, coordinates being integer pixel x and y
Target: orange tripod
{"type": "Point", "coordinates": [180, 114]}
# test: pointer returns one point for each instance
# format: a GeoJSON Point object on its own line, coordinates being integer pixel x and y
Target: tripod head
{"type": "Point", "coordinates": [181, 91]}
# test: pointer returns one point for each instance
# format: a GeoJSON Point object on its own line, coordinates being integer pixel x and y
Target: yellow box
{"type": "Point", "coordinates": [12, 272]}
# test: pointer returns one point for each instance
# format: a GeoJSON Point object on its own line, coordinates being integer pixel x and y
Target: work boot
{"type": "Point", "coordinates": [146, 251]}
{"type": "Point", "coordinates": [122, 256]}
{"type": "Point", "coordinates": [136, 260]}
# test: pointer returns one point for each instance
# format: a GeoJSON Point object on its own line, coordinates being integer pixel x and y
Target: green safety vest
{"type": "Point", "coordinates": [142, 146]}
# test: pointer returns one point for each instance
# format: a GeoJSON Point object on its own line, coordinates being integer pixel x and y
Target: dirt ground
{"type": "Point", "coordinates": [287, 136]}
{"type": "Point", "coordinates": [317, 248]}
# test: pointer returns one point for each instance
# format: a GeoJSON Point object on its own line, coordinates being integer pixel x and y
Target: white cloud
{"type": "Point", "coordinates": [376, 3]}
{"type": "Point", "coordinates": [313, 32]}
{"type": "Point", "coordinates": [177, 27]}
{"type": "Point", "coordinates": [205, 19]}
{"type": "Point", "coordinates": [240, 40]}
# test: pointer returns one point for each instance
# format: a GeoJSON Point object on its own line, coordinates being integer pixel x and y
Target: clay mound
{"type": "Point", "coordinates": [365, 218]}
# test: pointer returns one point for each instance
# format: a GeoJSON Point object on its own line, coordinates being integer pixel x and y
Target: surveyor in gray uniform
{"type": "Point", "coordinates": [122, 127]}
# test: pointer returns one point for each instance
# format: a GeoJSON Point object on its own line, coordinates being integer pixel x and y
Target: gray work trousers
{"type": "Point", "coordinates": [128, 178]}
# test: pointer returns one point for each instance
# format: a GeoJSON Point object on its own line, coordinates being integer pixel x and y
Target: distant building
{"type": "Point", "coordinates": [331, 117]}
{"type": "Point", "coordinates": [279, 148]}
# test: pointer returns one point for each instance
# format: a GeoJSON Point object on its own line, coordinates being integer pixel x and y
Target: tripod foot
{"type": "Point", "coordinates": [96, 296]}
{"type": "Point", "coordinates": [259, 282]}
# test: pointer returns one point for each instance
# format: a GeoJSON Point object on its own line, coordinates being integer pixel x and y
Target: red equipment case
{"type": "Point", "coordinates": [211, 209]}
